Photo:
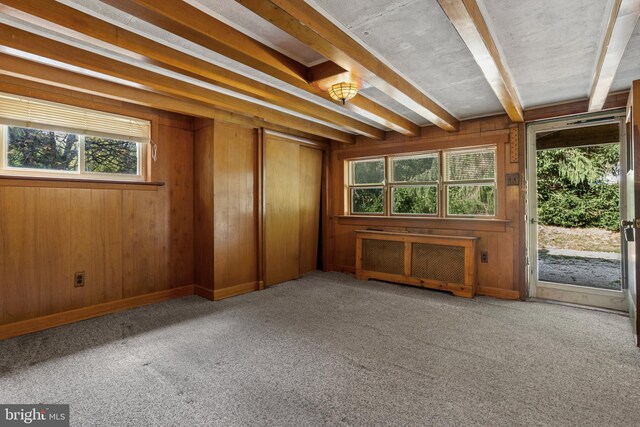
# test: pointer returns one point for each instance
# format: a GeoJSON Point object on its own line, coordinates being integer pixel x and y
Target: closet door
{"type": "Point", "coordinates": [310, 182]}
{"type": "Point", "coordinates": [293, 176]}
{"type": "Point", "coordinates": [282, 213]}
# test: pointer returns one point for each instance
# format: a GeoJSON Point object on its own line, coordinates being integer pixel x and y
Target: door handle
{"type": "Point", "coordinates": [629, 234]}
{"type": "Point", "coordinates": [628, 227]}
{"type": "Point", "coordinates": [533, 221]}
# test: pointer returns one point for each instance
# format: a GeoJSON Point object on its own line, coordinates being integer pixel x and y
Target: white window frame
{"type": "Point", "coordinates": [80, 173]}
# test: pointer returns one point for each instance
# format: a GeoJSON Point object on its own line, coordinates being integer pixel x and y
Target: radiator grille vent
{"type": "Point", "coordinates": [383, 256]}
{"type": "Point", "coordinates": [435, 262]}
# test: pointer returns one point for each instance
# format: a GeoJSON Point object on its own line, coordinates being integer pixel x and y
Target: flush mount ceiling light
{"type": "Point", "coordinates": [343, 91]}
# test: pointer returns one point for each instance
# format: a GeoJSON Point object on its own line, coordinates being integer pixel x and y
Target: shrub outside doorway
{"type": "Point", "coordinates": [579, 215]}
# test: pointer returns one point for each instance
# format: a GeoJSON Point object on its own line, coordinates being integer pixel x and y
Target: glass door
{"type": "Point", "coordinates": [574, 204]}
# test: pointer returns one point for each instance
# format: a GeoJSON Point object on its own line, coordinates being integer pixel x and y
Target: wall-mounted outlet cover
{"type": "Point", "coordinates": [513, 179]}
{"type": "Point", "coordinates": [78, 280]}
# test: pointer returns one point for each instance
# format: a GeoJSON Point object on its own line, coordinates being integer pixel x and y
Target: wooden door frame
{"type": "Point", "coordinates": [325, 236]}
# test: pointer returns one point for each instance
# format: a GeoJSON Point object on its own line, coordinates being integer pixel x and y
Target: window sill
{"type": "Point", "coordinates": [481, 224]}
{"type": "Point", "coordinates": [53, 182]}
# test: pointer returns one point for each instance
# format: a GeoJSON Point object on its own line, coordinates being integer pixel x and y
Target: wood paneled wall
{"type": "Point", "coordinates": [226, 208]}
{"type": "Point", "coordinates": [129, 239]}
{"type": "Point", "coordinates": [501, 238]}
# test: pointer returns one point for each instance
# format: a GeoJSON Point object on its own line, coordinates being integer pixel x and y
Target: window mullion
{"type": "Point", "coordinates": [81, 158]}
{"type": "Point", "coordinates": [4, 150]}
{"type": "Point", "coordinates": [387, 191]}
{"type": "Point", "coordinates": [442, 196]}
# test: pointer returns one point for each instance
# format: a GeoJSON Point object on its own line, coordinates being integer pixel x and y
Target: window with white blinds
{"type": "Point", "coordinates": [41, 138]}
{"type": "Point", "coordinates": [470, 182]}
{"type": "Point", "coordinates": [37, 114]}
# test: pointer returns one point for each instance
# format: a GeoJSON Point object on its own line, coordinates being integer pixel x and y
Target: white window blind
{"type": "Point", "coordinates": [34, 113]}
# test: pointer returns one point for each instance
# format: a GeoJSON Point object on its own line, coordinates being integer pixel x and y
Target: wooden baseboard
{"type": "Point", "coordinates": [233, 291]}
{"type": "Point", "coordinates": [498, 293]}
{"type": "Point", "coordinates": [45, 322]}
{"type": "Point", "coordinates": [203, 292]}
{"type": "Point", "coordinates": [343, 268]}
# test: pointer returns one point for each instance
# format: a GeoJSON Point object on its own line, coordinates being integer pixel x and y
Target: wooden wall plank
{"type": "Point", "coordinates": [178, 155]}
{"type": "Point", "coordinates": [113, 245]}
{"type": "Point", "coordinates": [21, 284]}
{"type": "Point", "coordinates": [81, 239]}
{"type": "Point", "coordinates": [235, 210]}
{"type": "Point", "coordinates": [98, 246]}
{"type": "Point", "coordinates": [144, 230]}
{"type": "Point", "coordinates": [222, 232]}
{"type": "Point", "coordinates": [54, 250]}
{"type": "Point", "coordinates": [128, 243]}
{"type": "Point", "coordinates": [203, 203]}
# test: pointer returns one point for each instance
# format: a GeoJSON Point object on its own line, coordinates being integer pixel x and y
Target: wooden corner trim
{"type": "Point", "coordinates": [203, 292]}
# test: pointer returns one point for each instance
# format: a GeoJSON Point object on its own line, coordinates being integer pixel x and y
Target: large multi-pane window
{"type": "Point", "coordinates": [442, 183]}
{"type": "Point", "coordinates": [40, 138]}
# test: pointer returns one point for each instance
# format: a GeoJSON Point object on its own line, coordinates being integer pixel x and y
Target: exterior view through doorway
{"type": "Point", "coordinates": [574, 202]}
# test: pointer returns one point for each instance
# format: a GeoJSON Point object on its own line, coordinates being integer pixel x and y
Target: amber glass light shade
{"type": "Point", "coordinates": [343, 91]}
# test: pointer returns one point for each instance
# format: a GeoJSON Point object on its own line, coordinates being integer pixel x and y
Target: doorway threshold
{"type": "Point", "coordinates": [582, 306]}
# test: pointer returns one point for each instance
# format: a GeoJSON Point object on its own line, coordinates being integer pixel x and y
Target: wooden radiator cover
{"type": "Point", "coordinates": [430, 261]}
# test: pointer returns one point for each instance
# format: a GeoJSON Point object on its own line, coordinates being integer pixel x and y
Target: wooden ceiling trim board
{"type": "Point", "coordinates": [622, 23]}
{"type": "Point", "coordinates": [466, 17]}
{"type": "Point", "coordinates": [188, 22]}
{"type": "Point", "coordinates": [48, 12]}
{"type": "Point", "coordinates": [303, 22]}
{"type": "Point", "coordinates": [41, 46]}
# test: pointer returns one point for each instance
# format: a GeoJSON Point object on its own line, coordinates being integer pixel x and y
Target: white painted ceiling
{"type": "Point", "coordinates": [629, 68]}
{"type": "Point", "coordinates": [416, 38]}
{"type": "Point", "coordinates": [550, 47]}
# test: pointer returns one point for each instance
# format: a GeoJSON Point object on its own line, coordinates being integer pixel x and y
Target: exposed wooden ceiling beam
{"type": "Point", "coordinates": [19, 72]}
{"type": "Point", "coordinates": [303, 22]}
{"type": "Point", "coordinates": [622, 22]}
{"type": "Point", "coordinates": [47, 48]}
{"type": "Point", "coordinates": [467, 19]}
{"type": "Point", "coordinates": [59, 17]}
{"type": "Point", "coordinates": [186, 21]}
{"type": "Point", "coordinates": [325, 70]}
